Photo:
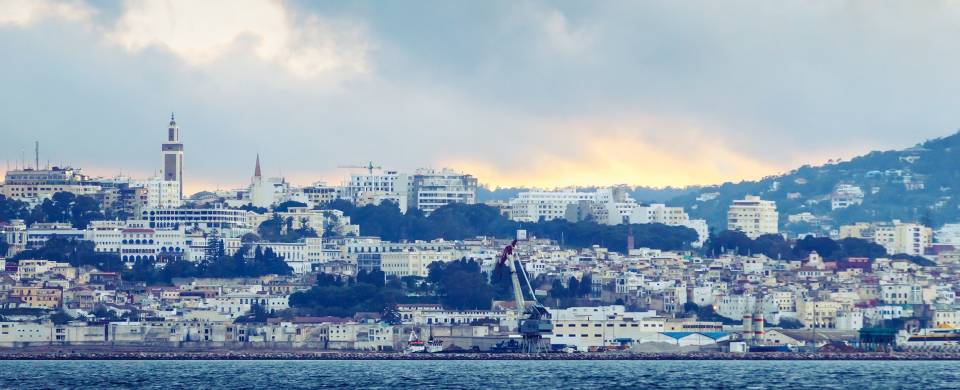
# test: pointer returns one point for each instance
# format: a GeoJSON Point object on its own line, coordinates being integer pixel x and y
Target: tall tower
{"type": "Point", "coordinates": [173, 157]}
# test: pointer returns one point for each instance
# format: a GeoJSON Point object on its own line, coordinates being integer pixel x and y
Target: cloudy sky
{"type": "Point", "coordinates": [517, 92]}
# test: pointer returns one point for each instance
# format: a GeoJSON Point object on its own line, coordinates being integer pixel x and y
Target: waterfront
{"type": "Point", "coordinates": [146, 374]}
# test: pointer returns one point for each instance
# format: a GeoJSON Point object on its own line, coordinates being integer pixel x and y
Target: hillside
{"type": "Point", "coordinates": [914, 184]}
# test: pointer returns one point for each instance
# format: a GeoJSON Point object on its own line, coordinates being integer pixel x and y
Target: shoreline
{"type": "Point", "coordinates": [94, 354]}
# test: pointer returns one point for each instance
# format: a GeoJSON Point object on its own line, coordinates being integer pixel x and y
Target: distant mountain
{"type": "Point", "coordinates": [915, 184]}
{"type": "Point", "coordinates": [641, 194]}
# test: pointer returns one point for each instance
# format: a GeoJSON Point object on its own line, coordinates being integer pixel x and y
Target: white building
{"type": "Point", "coordinates": [431, 189]}
{"type": "Point", "coordinates": [32, 185]}
{"type": "Point", "coordinates": [899, 237]}
{"type": "Point", "coordinates": [672, 216]}
{"type": "Point", "coordinates": [531, 206]}
{"type": "Point", "coordinates": [845, 195]}
{"type": "Point", "coordinates": [215, 218]}
{"type": "Point", "coordinates": [412, 263]}
{"type": "Point", "coordinates": [896, 237]}
{"type": "Point", "coordinates": [161, 193]}
{"type": "Point", "coordinates": [611, 206]}
{"type": "Point", "coordinates": [302, 256]}
{"type": "Point", "coordinates": [948, 234]}
{"type": "Point", "coordinates": [371, 188]}
{"type": "Point", "coordinates": [316, 194]}
{"type": "Point", "coordinates": [753, 216]}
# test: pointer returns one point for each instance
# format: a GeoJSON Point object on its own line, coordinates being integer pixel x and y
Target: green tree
{"type": "Point", "coordinates": [61, 318]}
{"type": "Point", "coordinates": [285, 206]}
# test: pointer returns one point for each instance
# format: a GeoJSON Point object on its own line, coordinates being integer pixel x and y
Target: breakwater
{"type": "Point", "coordinates": [103, 354]}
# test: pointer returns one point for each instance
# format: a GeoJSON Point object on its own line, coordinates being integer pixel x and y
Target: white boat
{"type": "Point", "coordinates": [434, 346]}
{"type": "Point", "coordinates": [414, 344]}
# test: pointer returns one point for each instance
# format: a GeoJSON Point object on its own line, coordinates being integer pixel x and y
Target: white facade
{"type": "Point", "coordinates": [372, 188]}
{"type": "Point", "coordinates": [431, 189]}
{"type": "Point", "coordinates": [672, 216]}
{"type": "Point", "coordinates": [753, 216]}
{"type": "Point", "coordinates": [161, 193]}
{"type": "Point", "coordinates": [845, 195]}
{"type": "Point", "coordinates": [412, 263]}
{"type": "Point", "coordinates": [899, 237]}
{"type": "Point", "coordinates": [531, 206]}
{"type": "Point", "coordinates": [611, 206]}
{"type": "Point", "coordinates": [216, 218]}
{"type": "Point", "coordinates": [32, 185]}
{"type": "Point", "coordinates": [948, 234]}
{"type": "Point", "coordinates": [302, 256]}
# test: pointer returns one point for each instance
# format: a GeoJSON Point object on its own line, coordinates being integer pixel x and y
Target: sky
{"type": "Point", "coordinates": [518, 93]}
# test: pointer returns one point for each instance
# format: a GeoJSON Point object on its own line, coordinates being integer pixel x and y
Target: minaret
{"type": "Point", "coordinates": [173, 156]}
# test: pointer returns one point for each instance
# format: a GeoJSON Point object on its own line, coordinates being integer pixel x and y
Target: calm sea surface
{"type": "Point", "coordinates": [478, 374]}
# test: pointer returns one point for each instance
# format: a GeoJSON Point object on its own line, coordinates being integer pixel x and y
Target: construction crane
{"type": "Point", "coordinates": [534, 319]}
{"type": "Point", "coordinates": [369, 167]}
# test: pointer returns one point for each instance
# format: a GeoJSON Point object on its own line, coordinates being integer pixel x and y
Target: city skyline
{"type": "Point", "coordinates": [528, 94]}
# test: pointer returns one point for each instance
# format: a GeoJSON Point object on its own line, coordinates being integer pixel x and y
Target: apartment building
{"type": "Point", "coordinates": [753, 216]}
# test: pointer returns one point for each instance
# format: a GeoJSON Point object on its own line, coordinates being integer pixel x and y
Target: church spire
{"type": "Point", "coordinates": [256, 170]}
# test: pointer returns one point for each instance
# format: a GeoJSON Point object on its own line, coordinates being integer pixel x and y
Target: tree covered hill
{"type": "Point", "coordinates": [914, 184]}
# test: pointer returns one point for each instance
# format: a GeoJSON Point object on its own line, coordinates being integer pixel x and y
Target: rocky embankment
{"type": "Point", "coordinates": [108, 354]}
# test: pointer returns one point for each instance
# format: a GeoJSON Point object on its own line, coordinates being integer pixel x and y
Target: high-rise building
{"type": "Point", "coordinates": [753, 216]}
{"type": "Point", "coordinates": [172, 150]}
{"type": "Point", "coordinates": [373, 188]}
{"type": "Point", "coordinates": [431, 189]}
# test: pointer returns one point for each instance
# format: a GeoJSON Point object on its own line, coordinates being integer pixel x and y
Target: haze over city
{"type": "Point", "coordinates": [529, 93]}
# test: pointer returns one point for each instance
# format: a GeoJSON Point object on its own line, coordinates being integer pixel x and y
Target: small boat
{"type": "Point", "coordinates": [434, 346]}
{"type": "Point", "coordinates": [414, 344]}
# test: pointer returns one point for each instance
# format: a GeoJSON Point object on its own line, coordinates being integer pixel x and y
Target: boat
{"type": "Point", "coordinates": [414, 344]}
{"type": "Point", "coordinates": [434, 346]}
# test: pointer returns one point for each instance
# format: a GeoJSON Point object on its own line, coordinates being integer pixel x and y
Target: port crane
{"type": "Point", "coordinates": [533, 319]}
{"type": "Point", "coordinates": [369, 167]}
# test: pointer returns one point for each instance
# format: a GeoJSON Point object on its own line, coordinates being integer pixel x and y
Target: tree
{"type": "Point", "coordinates": [557, 290]}
{"type": "Point", "coordinates": [12, 209]}
{"type": "Point", "coordinates": [76, 252]}
{"type": "Point", "coordinates": [328, 280]}
{"type": "Point", "coordinates": [255, 209]}
{"type": "Point", "coordinates": [375, 277]}
{"type": "Point", "coordinates": [573, 287]}
{"type": "Point", "coordinates": [104, 313]}
{"type": "Point", "coordinates": [824, 247]}
{"type": "Point", "coordinates": [250, 238]}
{"type": "Point", "coordinates": [773, 246]}
{"type": "Point", "coordinates": [790, 323]}
{"type": "Point", "coordinates": [60, 318]}
{"type": "Point", "coordinates": [461, 285]}
{"type": "Point", "coordinates": [277, 229]}
{"type": "Point", "coordinates": [285, 206]}
{"type": "Point", "coordinates": [586, 286]}
{"type": "Point", "coordinates": [257, 314]}
{"type": "Point", "coordinates": [344, 300]}
{"type": "Point", "coordinates": [391, 315]}
{"type": "Point", "coordinates": [857, 247]}
{"type": "Point", "coordinates": [68, 208]}
{"type": "Point", "coordinates": [84, 210]}
{"type": "Point", "coordinates": [331, 224]}
{"type": "Point", "coordinates": [727, 241]}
